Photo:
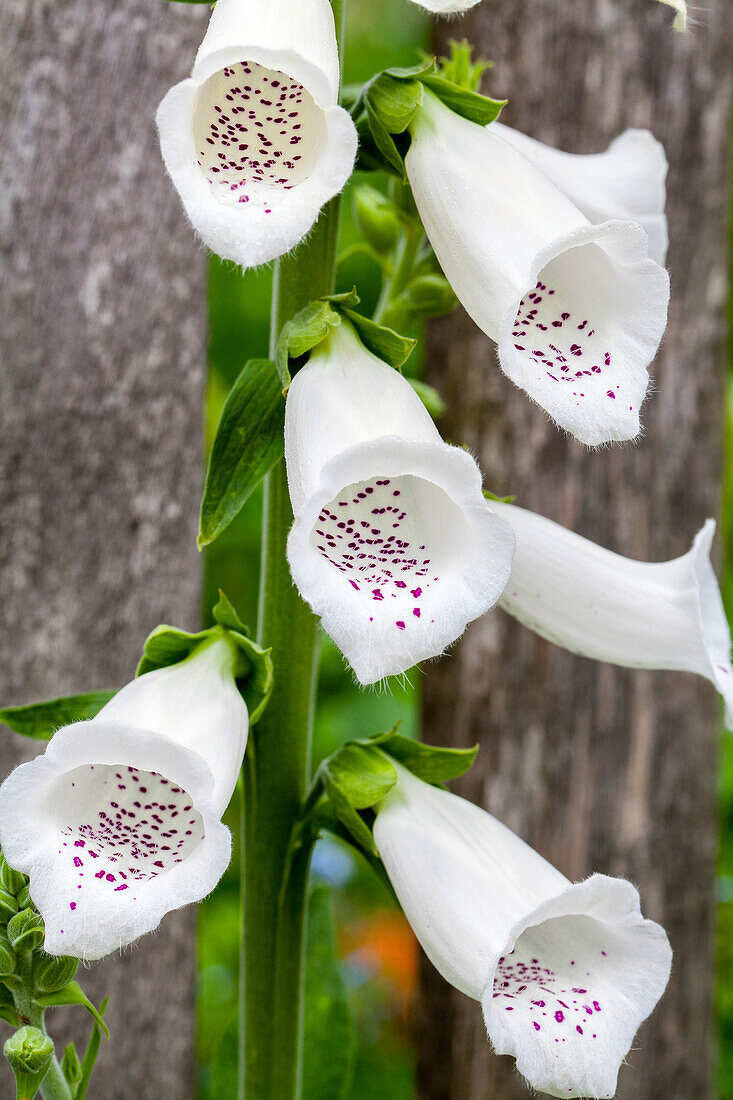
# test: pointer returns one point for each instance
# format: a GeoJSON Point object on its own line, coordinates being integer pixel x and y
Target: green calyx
{"type": "Point", "coordinates": [169, 646]}
{"type": "Point", "coordinates": [53, 972]}
{"type": "Point", "coordinates": [387, 105]}
{"type": "Point", "coordinates": [26, 931]}
{"type": "Point", "coordinates": [29, 1053]}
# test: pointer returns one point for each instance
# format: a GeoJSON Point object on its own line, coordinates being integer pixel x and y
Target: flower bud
{"type": "Point", "coordinates": [10, 880]}
{"type": "Point", "coordinates": [29, 1052]}
{"type": "Point", "coordinates": [52, 972]}
{"type": "Point", "coordinates": [376, 218]}
{"type": "Point", "coordinates": [26, 931]}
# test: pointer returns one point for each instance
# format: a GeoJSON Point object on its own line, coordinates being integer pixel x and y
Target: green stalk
{"type": "Point", "coordinates": [277, 764]}
{"type": "Point", "coordinates": [54, 1085]}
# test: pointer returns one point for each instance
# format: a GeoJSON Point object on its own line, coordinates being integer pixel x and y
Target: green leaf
{"type": "Point", "coordinates": [41, 720]}
{"type": "Point", "coordinates": [381, 341]}
{"type": "Point", "coordinates": [248, 443]}
{"type": "Point", "coordinates": [476, 108]}
{"type": "Point", "coordinates": [303, 333]}
{"type": "Point", "coordinates": [384, 142]}
{"type": "Point", "coordinates": [329, 1049]}
{"type": "Point", "coordinates": [7, 1007]}
{"type": "Point", "coordinates": [71, 994]}
{"type": "Point", "coordinates": [355, 777]}
{"type": "Point", "coordinates": [90, 1055]}
{"type": "Point", "coordinates": [427, 762]}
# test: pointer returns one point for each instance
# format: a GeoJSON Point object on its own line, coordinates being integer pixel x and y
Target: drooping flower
{"type": "Point", "coordinates": [658, 615]}
{"type": "Point", "coordinates": [577, 309]}
{"type": "Point", "coordinates": [393, 544]}
{"type": "Point", "coordinates": [565, 972]}
{"type": "Point", "coordinates": [255, 141]}
{"type": "Point", "coordinates": [626, 182]}
{"type": "Point", "coordinates": [119, 821]}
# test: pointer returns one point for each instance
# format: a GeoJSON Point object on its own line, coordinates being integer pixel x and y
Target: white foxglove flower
{"type": "Point", "coordinates": [577, 309]}
{"type": "Point", "coordinates": [565, 972]}
{"type": "Point", "coordinates": [659, 615]}
{"type": "Point", "coordinates": [393, 544]}
{"type": "Point", "coordinates": [626, 182]}
{"type": "Point", "coordinates": [119, 821]}
{"type": "Point", "coordinates": [255, 141]}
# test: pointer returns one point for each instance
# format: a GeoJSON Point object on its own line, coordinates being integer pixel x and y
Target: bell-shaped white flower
{"type": "Point", "coordinates": [255, 141]}
{"type": "Point", "coordinates": [625, 182]}
{"type": "Point", "coordinates": [577, 309]}
{"type": "Point", "coordinates": [393, 544]}
{"type": "Point", "coordinates": [119, 821]}
{"type": "Point", "coordinates": [565, 972]}
{"type": "Point", "coordinates": [659, 615]}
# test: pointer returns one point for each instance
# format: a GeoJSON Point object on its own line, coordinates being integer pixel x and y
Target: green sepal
{"type": "Point", "coordinates": [502, 500]}
{"type": "Point", "coordinates": [29, 1053]}
{"type": "Point", "coordinates": [71, 1067]}
{"type": "Point", "coordinates": [248, 443]}
{"type": "Point", "coordinates": [430, 397]}
{"type": "Point", "coordinates": [460, 69]}
{"type": "Point", "coordinates": [41, 720]}
{"type": "Point", "coordinates": [71, 994]}
{"type": "Point", "coordinates": [24, 899]}
{"type": "Point", "coordinates": [53, 972]}
{"type": "Point", "coordinates": [168, 646]}
{"type": "Point", "coordinates": [9, 906]}
{"type": "Point", "coordinates": [303, 333]}
{"type": "Point", "coordinates": [90, 1055]}
{"type": "Point", "coordinates": [7, 957]}
{"type": "Point", "coordinates": [428, 762]}
{"type": "Point", "coordinates": [11, 880]}
{"type": "Point", "coordinates": [26, 931]}
{"type": "Point", "coordinates": [391, 99]}
{"type": "Point", "coordinates": [354, 778]}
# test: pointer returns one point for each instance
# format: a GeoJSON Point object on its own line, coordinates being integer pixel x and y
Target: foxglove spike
{"type": "Point", "coordinates": [565, 972]}
{"type": "Point", "coordinates": [393, 544]}
{"type": "Point", "coordinates": [657, 615]}
{"type": "Point", "coordinates": [577, 309]}
{"type": "Point", "coordinates": [626, 182]}
{"type": "Point", "coordinates": [255, 141]}
{"type": "Point", "coordinates": [119, 821]}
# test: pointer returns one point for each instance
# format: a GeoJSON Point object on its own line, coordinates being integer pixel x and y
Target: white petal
{"type": "Point", "coordinates": [462, 878]}
{"type": "Point", "coordinates": [393, 544]}
{"type": "Point", "coordinates": [254, 141]}
{"type": "Point", "coordinates": [197, 704]}
{"type": "Point", "coordinates": [627, 181]}
{"type": "Point", "coordinates": [659, 615]}
{"type": "Point", "coordinates": [680, 19]}
{"type": "Point", "coordinates": [577, 309]}
{"type": "Point", "coordinates": [574, 981]}
{"type": "Point", "coordinates": [565, 973]}
{"type": "Point", "coordinates": [115, 826]}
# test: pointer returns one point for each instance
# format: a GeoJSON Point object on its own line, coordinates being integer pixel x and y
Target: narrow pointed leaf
{"type": "Point", "coordinates": [248, 443]}
{"type": "Point", "coordinates": [71, 994]}
{"type": "Point", "coordinates": [41, 720]}
{"type": "Point", "coordinates": [90, 1055]}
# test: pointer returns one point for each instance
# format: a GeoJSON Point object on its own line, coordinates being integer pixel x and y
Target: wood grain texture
{"type": "Point", "coordinates": [102, 359]}
{"type": "Point", "coordinates": [599, 768]}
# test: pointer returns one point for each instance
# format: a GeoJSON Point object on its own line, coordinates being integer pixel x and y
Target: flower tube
{"type": "Point", "coordinates": [577, 309]}
{"type": "Point", "coordinates": [255, 141]}
{"type": "Point", "coordinates": [627, 181]}
{"type": "Point", "coordinates": [660, 615]}
{"type": "Point", "coordinates": [393, 544]}
{"type": "Point", "coordinates": [119, 821]}
{"type": "Point", "coordinates": [565, 973]}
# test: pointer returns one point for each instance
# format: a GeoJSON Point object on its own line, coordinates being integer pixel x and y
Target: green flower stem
{"type": "Point", "coordinates": [404, 263]}
{"type": "Point", "coordinates": [277, 764]}
{"type": "Point", "coordinates": [54, 1085]}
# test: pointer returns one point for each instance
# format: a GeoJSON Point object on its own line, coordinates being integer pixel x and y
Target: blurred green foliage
{"type": "Point", "coordinates": [380, 33]}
